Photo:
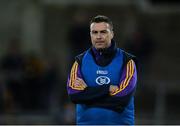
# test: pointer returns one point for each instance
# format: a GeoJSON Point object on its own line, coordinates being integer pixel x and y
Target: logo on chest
{"type": "Point", "coordinates": [104, 72]}
{"type": "Point", "coordinates": [102, 80]}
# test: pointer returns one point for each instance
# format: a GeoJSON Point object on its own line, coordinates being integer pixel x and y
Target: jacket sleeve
{"type": "Point", "coordinates": [79, 95]}
{"type": "Point", "coordinates": [118, 100]}
{"type": "Point", "coordinates": [128, 80]}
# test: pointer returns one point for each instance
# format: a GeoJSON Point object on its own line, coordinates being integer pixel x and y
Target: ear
{"type": "Point", "coordinates": [112, 34]}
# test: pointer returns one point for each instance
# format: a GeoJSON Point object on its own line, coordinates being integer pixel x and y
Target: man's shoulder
{"type": "Point", "coordinates": [128, 56]}
{"type": "Point", "coordinates": [79, 57]}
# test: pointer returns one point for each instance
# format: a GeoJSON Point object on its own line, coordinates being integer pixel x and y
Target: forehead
{"type": "Point", "coordinates": [99, 26]}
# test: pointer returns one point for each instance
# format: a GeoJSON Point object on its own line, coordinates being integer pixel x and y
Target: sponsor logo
{"type": "Point", "coordinates": [102, 72]}
{"type": "Point", "coordinates": [102, 80]}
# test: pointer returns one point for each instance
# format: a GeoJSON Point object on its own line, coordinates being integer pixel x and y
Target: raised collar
{"type": "Point", "coordinates": [105, 52]}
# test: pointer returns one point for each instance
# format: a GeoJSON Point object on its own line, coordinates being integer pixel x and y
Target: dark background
{"type": "Point", "coordinates": [39, 38]}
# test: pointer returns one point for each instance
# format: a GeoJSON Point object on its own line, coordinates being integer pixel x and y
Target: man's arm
{"type": "Point", "coordinates": [78, 90]}
{"type": "Point", "coordinates": [128, 80]}
{"type": "Point", "coordinates": [121, 94]}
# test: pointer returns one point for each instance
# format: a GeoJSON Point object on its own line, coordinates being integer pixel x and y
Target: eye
{"type": "Point", "coordinates": [94, 32]}
{"type": "Point", "coordinates": [104, 31]}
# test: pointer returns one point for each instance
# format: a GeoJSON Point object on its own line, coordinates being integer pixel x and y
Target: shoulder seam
{"type": "Point", "coordinates": [79, 58]}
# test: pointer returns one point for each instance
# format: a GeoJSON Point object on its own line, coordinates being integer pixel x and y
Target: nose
{"type": "Point", "coordinates": [99, 36]}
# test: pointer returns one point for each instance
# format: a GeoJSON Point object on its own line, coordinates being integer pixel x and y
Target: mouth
{"type": "Point", "coordinates": [99, 42]}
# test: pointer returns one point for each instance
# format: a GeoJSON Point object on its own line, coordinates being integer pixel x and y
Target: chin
{"type": "Point", "coordinates": [100, 48]}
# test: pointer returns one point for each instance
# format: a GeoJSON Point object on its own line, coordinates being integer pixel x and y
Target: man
{"type": "Point", "coordinates": [103, 79]}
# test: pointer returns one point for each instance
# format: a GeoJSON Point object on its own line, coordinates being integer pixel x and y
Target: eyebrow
{"type": "Point", "coordinates": [102, 31]}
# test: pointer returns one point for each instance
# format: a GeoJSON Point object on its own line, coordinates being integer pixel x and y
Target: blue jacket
{"type": "Point", "coordinates": [95, 105]}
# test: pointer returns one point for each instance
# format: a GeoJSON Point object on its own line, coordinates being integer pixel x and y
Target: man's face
{"type": "Point", "coordinates": [101, 35]}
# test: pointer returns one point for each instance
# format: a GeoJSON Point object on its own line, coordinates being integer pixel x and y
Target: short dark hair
{"type": "Point", "coordinates": [101, 18]}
